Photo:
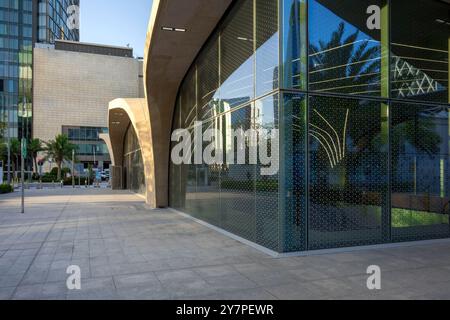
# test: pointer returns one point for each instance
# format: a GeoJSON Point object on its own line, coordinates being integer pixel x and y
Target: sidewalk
{"type": "Point", "coordinates": [128, 252]}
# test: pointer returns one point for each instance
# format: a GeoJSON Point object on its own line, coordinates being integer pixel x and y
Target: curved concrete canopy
{"type": "Point", "coordinates": [123, 113]}
{"type": "Point", "coordinates": [105, 137]}
{"type": "Point", "coordinates": [168, 56]}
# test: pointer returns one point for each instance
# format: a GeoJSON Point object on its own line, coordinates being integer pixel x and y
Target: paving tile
{"type": "Point", "coordinates": [59, 275]}
{"type": "Point", "coordinates": [126, 253]}
{"type": "Point", "coordinates": [10, 280]}
{"type": "Point", "coordinates": [143, 293]}
{"type": "Point", "coordinates": [52, 290]}
{"type": "Point", "coordinates": [31, 292]}
{"type": "Point", "coordinates": [268, 278]}
{"type": "Point", "coordinates": [137, 280]}
{"type": "Point", "coordinates": [257, 294]}
{"type": "Point", "coordinates": [228, 282]}
{"type": "Point", "coordinates": [94, 295]}
{"type": "Point", "coordinates": [177, 275]}
{"type": "Point", "coordinates": [215, 271]}
{"type": "Point", "coordinates": [35, 277]}
{"type": "Point", "coordinates": [309, 274]}
{"type": "Point", "coordinates": [187, 288]}
{"type": "Point", "coordinates": [6, 293]}
{"type": "Point", "coordinates": [295, 291]}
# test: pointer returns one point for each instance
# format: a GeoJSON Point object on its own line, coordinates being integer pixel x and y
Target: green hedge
{"type": "Point", "coordinates": [6, 188]}
{"type": "Point", "coordinates": [82, 181]}
{"type": "Point", "coordinates": [48, 178]}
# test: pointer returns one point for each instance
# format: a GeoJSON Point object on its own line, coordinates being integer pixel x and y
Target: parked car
{"type": "Point", "coordinates": [105, 174]}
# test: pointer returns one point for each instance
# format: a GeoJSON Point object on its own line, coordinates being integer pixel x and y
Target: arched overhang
{"type": "Point", "coordinates": [123, 113]}
{"type": "Point", "coordinates": [105, 137]}
{"type": "Point", "coordinates": [168, 56]}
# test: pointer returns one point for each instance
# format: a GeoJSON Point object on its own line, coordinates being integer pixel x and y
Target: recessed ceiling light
{"type": "Point", "coordinates": [442, 21]}
{"type": "Point", "coordinates": [244, 39]}
{"type": "Point", "coordinates": [173, 29]}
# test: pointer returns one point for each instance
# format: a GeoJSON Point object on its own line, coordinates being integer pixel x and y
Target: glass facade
{"type": "Point", "coordinates": [22, 24]}
{"type": "Point", "coordinates": [358, 91]}
{"type": "Point", "coordinates": [54, 20]}
{"type": "Point", "coordinates": [87, 139]}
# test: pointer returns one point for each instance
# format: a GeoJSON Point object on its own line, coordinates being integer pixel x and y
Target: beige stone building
{"type": "Point", "coordinates": [73, 85]}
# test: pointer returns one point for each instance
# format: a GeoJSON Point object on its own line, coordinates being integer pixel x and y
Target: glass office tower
{"type": "Point", "coordinates": [22, 24]}
{"type": "Point", "coordinates": [359, 92]}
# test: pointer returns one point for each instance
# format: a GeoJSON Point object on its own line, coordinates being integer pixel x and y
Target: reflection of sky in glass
{"type": "Point", "coordinates": [239, 86]}
{"type": "Point", "coordinates": [350, 64]}
{"type": "Point", "coordinates": [268, 110]}
{"type": "Point", "coordinates": [323, 22]}
{"type": "Point", "coordinates": [267, 66]}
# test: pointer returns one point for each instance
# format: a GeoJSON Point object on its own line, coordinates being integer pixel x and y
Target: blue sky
{"type": "Point", "coordinates": [115, 22]}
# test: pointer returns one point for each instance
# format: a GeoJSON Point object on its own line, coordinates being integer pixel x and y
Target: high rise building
{"type": "Point", "coordinates": [22, 24]}
{"type": "Point", "coordinates": [77, 104]}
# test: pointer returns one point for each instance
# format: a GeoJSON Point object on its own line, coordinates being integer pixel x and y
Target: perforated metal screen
{"type": "Point", "coordinates": [362, 160]}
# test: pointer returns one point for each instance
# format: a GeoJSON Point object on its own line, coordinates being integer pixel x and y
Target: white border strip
{"type": "Point", "coordinates": [419, 243]}
{"type": "Point", "coordinates": [275, 254]}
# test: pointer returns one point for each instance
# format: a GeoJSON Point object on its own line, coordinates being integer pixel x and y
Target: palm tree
{"type": "Point", "coordinates": [59, 150]}
{"type": "Point", "coordinates": [345, 65]}
{"type": "Point", "coordinates": [3, 147]}
{"type": "Point", "coordinates": [3, 151]}
{"type": "Point", "coordinates": [2, 130]}
{"type": "Point", "coordinates": [351, 66]}
{"type": "Point", "coordinates": [34, 147]}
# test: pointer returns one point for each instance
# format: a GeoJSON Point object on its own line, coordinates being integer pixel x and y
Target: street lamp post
{"type": "Point", "coordinates": [23, 155]}
{"type": "Point", "coordinates": [73, 169]}
{"type": "Point", "coordinates": [22, 171]}
{"type": "Point", "coordinates": [9, 148]}
{"type": "Point", "coordinates": [95, 167]}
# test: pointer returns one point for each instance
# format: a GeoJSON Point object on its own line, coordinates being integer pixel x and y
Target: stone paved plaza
{"type": "Point", "coordinates": [126, 251]}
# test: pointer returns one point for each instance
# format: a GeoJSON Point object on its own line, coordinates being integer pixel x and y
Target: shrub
{"type": "Point", "coordinates": [48, 178]}
{"type": "Point", "coordinates": [54, 172]}
{"type": "Point", "coordinates": [65, 172]}
{"type": "Point", "coordinates": [5, 188]}
{"type": "Point", "coordinates": [82, 181]}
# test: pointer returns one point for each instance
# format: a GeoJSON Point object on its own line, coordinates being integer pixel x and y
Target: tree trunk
{"type": "Point", "coordinates": [59, 170]}
{"type": "Point", "coordinates": [13, 171]}
{"type": "Point", "coordinates": [35, 164]}
{"type": "Point", "coordinates": [17, 168]}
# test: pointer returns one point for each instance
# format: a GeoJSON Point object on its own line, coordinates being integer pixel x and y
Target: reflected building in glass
{"type": "Point", "coordinates": [22, 24]}
{"type": "Point", "coordinates": [359, 93]}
